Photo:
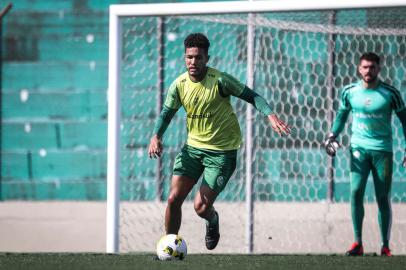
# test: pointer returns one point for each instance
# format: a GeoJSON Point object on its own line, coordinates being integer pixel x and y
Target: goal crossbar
{"type": "Point", "coordinates": [194, 8]}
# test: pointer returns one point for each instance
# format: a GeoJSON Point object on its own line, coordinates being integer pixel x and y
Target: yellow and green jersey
{"type": "Point", "coordinates": [372, 115]}
{"type": "Point", "coordinates": [211, 121]}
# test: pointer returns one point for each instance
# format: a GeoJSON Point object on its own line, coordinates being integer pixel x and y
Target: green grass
{"type": "Point", "coordinates": [75, 261]}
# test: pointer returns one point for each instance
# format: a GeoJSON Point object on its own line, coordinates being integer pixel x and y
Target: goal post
{"type": "Point", "coordinates": [303, 49]}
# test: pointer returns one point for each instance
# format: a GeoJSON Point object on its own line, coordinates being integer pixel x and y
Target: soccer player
{"type": "Point", "coordinates": [213, 135]}
{"type": "Point", "coordinates": [371, 102]}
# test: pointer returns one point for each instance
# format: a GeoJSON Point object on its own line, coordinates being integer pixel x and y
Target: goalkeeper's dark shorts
{"type": "Point", "coordinates": [216, 166]}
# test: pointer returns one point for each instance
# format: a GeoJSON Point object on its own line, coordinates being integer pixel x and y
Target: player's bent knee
{"type": "Point", "coordinates": [200, 208]}
{"type": "Point", "coordinates": [174, 200]}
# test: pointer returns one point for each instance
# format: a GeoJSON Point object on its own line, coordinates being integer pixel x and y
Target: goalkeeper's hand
{"type": "Point", "coordinates": [331, 145]}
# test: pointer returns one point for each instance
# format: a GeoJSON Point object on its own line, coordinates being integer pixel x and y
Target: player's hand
{"type": "Point", "coordinates": [278, 125]}
{"type": "Point", "coordinates": [155, 147]}
{"type": "Point", "coordinates": [331, 145]}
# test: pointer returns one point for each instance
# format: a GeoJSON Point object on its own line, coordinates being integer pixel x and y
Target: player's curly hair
{"type": "Point", "coordinates": [197, 40]}
{"type": "Point", "coordinates": [370, 56]}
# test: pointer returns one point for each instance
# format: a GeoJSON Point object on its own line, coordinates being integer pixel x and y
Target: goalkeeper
{"type": "Point", "coordinates": [371, 102]}
{"type": "Point", "coordinates": [213, 135]}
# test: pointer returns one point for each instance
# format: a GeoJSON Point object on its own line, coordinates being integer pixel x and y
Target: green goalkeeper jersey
{"type": "Point", "coordinates": [211, 121]}
{"type": "Point", "coordinates": [372, 114]}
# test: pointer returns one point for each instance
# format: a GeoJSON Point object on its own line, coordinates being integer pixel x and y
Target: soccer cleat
{"type": "Point", "coordinates": [212, 234]}
{"type": "Point", "coordinates": [355, 250]}
{"type": "Point", "coordinates": [385, 251]}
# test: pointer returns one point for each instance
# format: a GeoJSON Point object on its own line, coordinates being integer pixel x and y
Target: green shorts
{"type": "Point", "coordinates": [364, 161]}
{"type": "Point", "coordinates": [216, 166]}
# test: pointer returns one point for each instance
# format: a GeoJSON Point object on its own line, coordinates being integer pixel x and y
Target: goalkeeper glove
{"type": "Point", "coordinates": [331, 145]}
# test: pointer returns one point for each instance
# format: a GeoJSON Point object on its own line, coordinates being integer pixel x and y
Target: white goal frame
{"type": "Point", "coordinates": [194, 8]}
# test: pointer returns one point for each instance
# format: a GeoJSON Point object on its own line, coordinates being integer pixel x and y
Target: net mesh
{"type": "Point", "coordinates": [302, 60]}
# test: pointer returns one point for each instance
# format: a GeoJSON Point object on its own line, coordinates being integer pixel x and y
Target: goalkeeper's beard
{"type": "Point", "coordinates": [372, 79]}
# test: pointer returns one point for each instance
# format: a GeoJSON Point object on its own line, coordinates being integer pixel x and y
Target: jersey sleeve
{"type": "Point", "coordinates": [397, 102]}
{"type": "Point", "coordinates": [172, 100]}
{"type": "Point", "coordinates": [258, 101]}
{"type": "Point", "coordinates": [402, 117]}
{"type": "Point", "coordinates": [163, 121]}
{"type": "Point", "coordinates": [399, 107]}
{"type": "Point", "coordinates": [345, 99]}
{"type": "Point", "coordinates": [230, 85]}
{"type": "Point", "coordinates": [343, 112]}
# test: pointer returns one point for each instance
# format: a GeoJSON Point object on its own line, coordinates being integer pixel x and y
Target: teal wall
{"type": "Point", "coordinates": [54, 100]}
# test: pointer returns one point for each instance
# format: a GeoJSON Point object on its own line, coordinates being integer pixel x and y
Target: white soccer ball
{"type": "Point", "coordinates": [171, 247]}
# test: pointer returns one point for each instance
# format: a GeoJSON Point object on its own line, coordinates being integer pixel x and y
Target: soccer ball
{"type": "Point", "coordinates": [171, 247]}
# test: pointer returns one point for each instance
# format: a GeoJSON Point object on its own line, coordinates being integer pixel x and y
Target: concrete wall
{"type": "Point", "coordinates": [279, 227]}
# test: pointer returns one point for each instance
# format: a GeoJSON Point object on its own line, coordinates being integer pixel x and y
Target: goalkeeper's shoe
{"type": "Point", "coordinates": [212, 234]}
{"type": "Point", "coordinates": [385, 251]}
{"type": "Point", "coordinates": [355, 250]}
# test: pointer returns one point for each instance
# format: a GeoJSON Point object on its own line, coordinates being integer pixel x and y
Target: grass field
{"type": "Point", "coordinates": [74, 261]}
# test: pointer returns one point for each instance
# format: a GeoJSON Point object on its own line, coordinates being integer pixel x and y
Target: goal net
{"type": "Point", "coordinates": [299, 61]}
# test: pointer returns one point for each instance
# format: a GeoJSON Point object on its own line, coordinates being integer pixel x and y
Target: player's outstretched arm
{"type": "Point", "coordinates": [278, 125]}
{"type": "Point", "coordinates": [262, 106]}
{"type": "Point", "coordinates": [231, 86]}
{"type": "Point", "coordinates": [402, 117]}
